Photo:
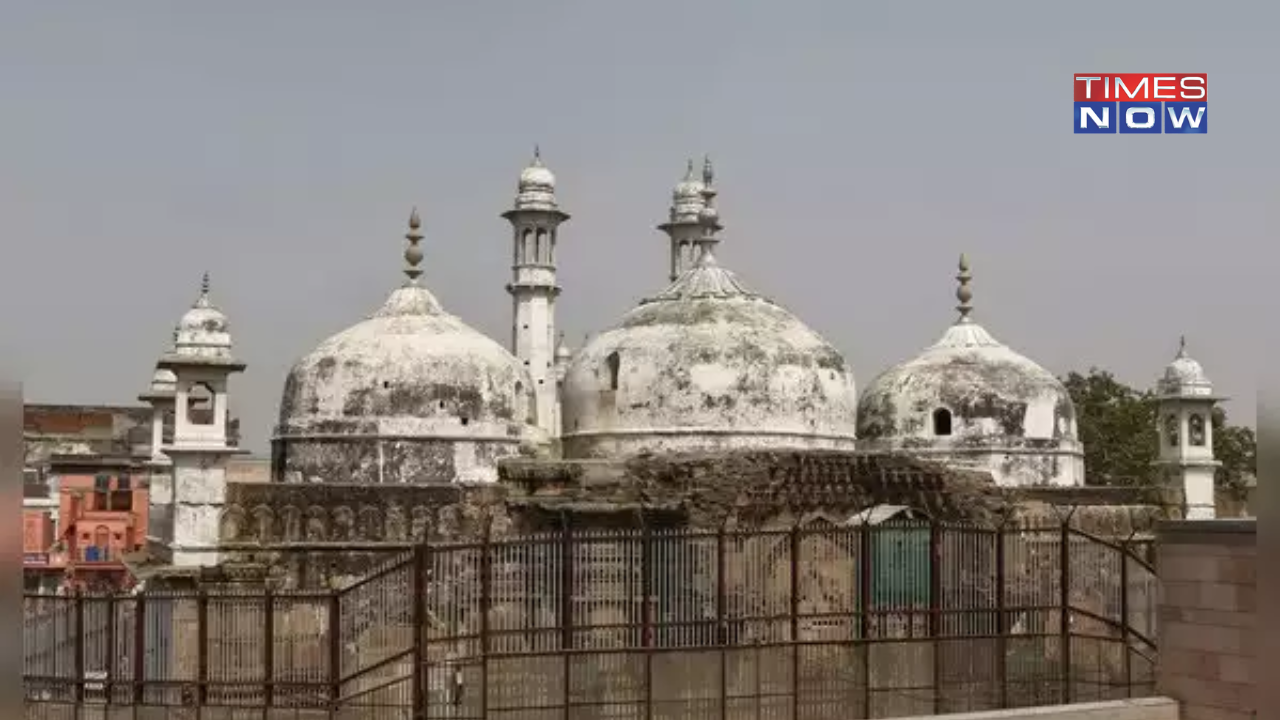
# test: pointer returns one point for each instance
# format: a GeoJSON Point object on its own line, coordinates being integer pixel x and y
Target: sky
{"type": "Point", "coordinates": [860, 148]}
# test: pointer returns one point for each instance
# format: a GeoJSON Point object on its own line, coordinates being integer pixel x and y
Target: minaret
{"type": "Point", "coordinates": [535, 220]}
{"type": "Point", "coordinates": [684, 225]}
{"type": "Point", "coordinates": [1185, 426]}
{"type": "Point", "coordinates": [160, 395]}
{"type": "Point", "coordinates": [201, 362]}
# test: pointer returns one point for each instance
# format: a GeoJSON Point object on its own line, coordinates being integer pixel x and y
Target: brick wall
{"type": "Point", "coordinates": [1208, 607]}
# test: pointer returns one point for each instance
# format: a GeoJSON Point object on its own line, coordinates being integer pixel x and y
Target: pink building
{"type": "Point", "coordinates": [102, 517]}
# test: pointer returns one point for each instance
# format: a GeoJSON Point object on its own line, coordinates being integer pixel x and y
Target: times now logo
{"type": "Point", "coordinates": [1139, 103]}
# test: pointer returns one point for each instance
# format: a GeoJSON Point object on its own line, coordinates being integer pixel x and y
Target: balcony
{"type": "Point", "coordinates": [92, 555]}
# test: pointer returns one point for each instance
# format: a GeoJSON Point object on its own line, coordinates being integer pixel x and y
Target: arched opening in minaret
{"type": "Point", "coordinates": [1195, 430]}
{"type": "Point", "coordinates": [1171, 430]}
{"type": "Point", "coordinates": [200, 404]}
{"type": "Point", "coordinates": [614, 361]}
{"type": "Point", "coordinates": [526, 242]}
{"type": "Point", "coordinates": [942, 422]}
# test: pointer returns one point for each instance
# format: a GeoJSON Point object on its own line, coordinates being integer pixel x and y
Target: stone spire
{"type": "Point", "coordinates": [709, 216]}
{"type": "Point", "coordinates": [963, 293]}
{"type": "Point", "coordinates": [413, 253]}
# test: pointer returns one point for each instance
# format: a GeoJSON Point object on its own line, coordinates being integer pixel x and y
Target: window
{"type": "Point", "coordinates": [200, 404]}
{"type": "Point", "coordinates": [1195, 430]}
{"type": "Point", "coordinates": [614, 361]}
{"type": "Point", "coordinates": [120, 501]}
{"type": "Point", "coordinates": [1171, 430]}
{"type": "Point", "coordinates": [942, 422]}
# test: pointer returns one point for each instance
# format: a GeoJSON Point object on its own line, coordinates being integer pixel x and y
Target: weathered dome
{"type": "Point", "coordinates": [163, 380]}
{"type": "Point", "coordinates": [706, 364]}
{"type": "Point", "coordinates": [415, 393]}
{"type": "Point", "coordinates": [203, 331]}
{"type": "Point", "coordinates": [969, 399]}
{"type": "Point", "coordinates": [686, 198]}
{"type": "Point", "coordinates": [1184, 376]}
{"type": "Point", "coordinates": [536, 189]}
{"type": "Point", "coordinates": [537, 176]}
{"type": "Point", "coordinates": [409, 369]}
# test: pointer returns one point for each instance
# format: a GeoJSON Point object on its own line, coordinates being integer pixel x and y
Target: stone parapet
{"type": "Point", "coordinates": [1208, 617]}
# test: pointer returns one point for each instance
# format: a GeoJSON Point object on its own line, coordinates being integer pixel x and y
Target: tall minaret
{"type": "Point", "coordinates": [1185, 399]}
{"type": "Point", "coordinates": [535, 220]}
{"type": "Point", "coordinates": [683, 226]}
{"type": "Point", "coordinates": [201, 362]}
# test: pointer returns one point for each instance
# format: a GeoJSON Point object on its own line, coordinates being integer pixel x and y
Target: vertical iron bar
{"type": "Point", "coordinates": [486, 600]}
{"type": "Point", "coordinates": [646, 617]}
{"type": "Point", "coordinates": [722, 634]}
{"type": "Point", "coordinates": [77, 644]}
{"type": "Point", "coordinates": [419, 675]}
{"type": "Point", "coordinates": [202, 648]}
{"type": "Point", "coordinates": [269, 646]}
{"type": "Point", "coordinates": [1002, 622]}
{"type": "Point", "coordinates": [567, 590]}
{"type": "Point", "coordinates": [1124, 618]}
{"type": "Point", "coordinates": [935, 611]}
{"type": "Point", "coordinates": [335, 649]}
{"type": "Point", "coordinates": [1064, 614]}
{"type": "Point", "coordinates": [865, 608]}
{"type": "Point", "coordinates": [112, 654]}
{"type": "Point", "coordinates": [140, 648]}
{"type": "Point", "coordinates": [793, 611]}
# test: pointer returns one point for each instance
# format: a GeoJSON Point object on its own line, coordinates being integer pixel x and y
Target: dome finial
{"type": "Point", "coordinates": [1182, 346]}
{"type": "Point", "coordinates": [963, 293]}
{"type": "Point", "coordinates": [537, 156]}
{"type": "Point", "coordinates": [203, 299]}
{"type": "Point", "coordinates": [689, 173]}
{"type": "Point", "coordinates": [413, 254]}
{"type": "Point", "coordinates": [708, 172]}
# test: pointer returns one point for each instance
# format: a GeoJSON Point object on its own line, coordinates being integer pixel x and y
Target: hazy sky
{"type": "Point", "coordinates": [860, 147]}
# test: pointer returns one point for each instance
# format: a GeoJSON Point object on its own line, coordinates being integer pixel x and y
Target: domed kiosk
{"type": "Point", "coordinates": [969, 400]}
{"type": "Point", "coordinates": [707, 364]}
{"type": "Point", "coordinates": [410, 395]}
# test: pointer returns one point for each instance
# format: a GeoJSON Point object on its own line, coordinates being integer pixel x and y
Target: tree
{"type": "Point", "coordinates": [1117, 425]}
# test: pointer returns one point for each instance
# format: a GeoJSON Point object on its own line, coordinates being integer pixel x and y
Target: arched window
{"type": "Point", "coordinates": [614, 362]}
{"type": "Point", "coordinates": [942, 422]}
{"type": "Point", "coordinates": [200, 404]}
{"type": "Point", "coordinates": [526, 244]}
{"type": "Point", "coordinates": [1195, 430]}
{"type": "Point", "coordinates": [1171, 430]}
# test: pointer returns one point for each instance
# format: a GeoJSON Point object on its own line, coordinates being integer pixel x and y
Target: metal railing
{"type": "Point", "coordinates": [833, 622]}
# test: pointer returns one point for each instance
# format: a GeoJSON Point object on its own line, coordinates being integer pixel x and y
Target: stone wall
{"type": "Point", "coordinates": [1208, 616]}
{"type": "Point", "coordinates": [1142, 709]}
{"type": "Point", "coordinates": [320, 533]}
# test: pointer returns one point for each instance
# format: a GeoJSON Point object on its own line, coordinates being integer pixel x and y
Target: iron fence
{"type": "Point", "coordinates": [807, 623]}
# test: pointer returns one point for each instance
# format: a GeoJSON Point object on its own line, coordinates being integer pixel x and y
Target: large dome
{"type": "Point", "coordinates": [969, 399]}
{"type": "Point", "coordinates": [706, 364]}
{"type": "Point", "coordinates": [411, 394]}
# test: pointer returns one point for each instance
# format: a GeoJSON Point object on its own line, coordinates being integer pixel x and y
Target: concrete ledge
{"type": "Point", "coordinates": [1207, 532]}
{"type": "Point", "coordinates": [1139, 709]}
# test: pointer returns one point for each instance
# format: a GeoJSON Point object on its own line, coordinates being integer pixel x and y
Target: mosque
{"type": "Point", "coordinates": [413, 396]}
